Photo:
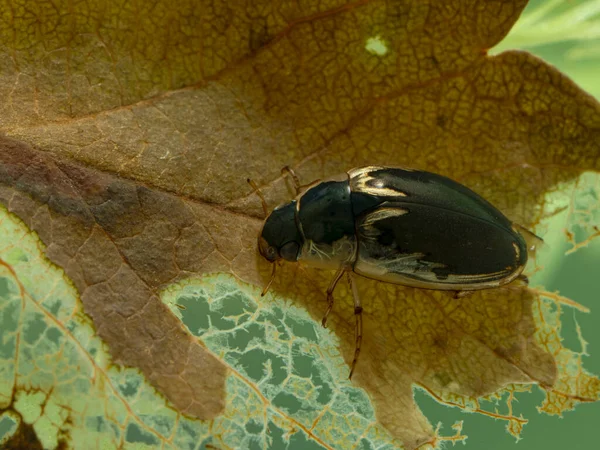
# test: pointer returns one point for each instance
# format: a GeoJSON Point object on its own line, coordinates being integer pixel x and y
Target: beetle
{"type": "Point", "coordinates": [396, 225]}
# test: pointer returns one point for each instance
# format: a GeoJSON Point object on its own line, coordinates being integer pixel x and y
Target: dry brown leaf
{"type": "Point", "coordinates": [132, 129]}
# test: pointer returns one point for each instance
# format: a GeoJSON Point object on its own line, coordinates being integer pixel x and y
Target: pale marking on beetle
{"type": "Point", "coordinates": [517, 250]}
{"type": "Point", "coordinates": [367, 228]}
{"type": "Point", "coordinates": [458, 278]}
{"type": "Point", "coordinates": [381, 214]}
{"type": "Point", "coordinates": [480, 276]}
{"type": "Point", "coordinates": [372, 269]}
{"type": "Point", "coordinates": [414, 264]}
{"type": "Point", "coordinates": [361, 178]}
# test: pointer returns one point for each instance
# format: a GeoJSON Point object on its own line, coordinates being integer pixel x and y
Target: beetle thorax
{"type": "Point", "coordinates": [326, 221]}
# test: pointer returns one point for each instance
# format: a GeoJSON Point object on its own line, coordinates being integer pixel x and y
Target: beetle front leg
{"type": "Point", "coordinates": [358, 330]}
{"type": "Point", "coordinates": [330, 290]}
{"type": "Point", "coordinates": [295, 179]}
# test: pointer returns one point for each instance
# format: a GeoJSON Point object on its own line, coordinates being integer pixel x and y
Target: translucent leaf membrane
{"type": "Point", "coordinates": [575, 210]}
{"type": "Point", "coordinates": [286, 363]}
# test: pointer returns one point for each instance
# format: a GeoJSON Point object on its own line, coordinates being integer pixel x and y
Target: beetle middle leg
{"type": "Point", "coordinates": [330, 290]}
{"type": "Point", "coordinates": [358, 330]}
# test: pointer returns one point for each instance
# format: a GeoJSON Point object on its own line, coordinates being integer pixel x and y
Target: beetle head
{"type": "Point", "coordinates": [280, 237]}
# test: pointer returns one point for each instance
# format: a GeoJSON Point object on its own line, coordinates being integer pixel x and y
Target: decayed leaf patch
{"type": "Point", "coordinates": [116, 242]}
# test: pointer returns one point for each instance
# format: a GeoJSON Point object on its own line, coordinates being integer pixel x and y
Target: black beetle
{"type": "Point", "coordinates": [397, 225]}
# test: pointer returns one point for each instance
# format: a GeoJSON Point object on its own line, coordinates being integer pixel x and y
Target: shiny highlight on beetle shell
{"type": "Point", "coordinates": [364, 180]}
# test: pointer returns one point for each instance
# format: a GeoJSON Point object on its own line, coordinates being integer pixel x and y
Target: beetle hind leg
{"type": "Point", "coordinates": [523, 280]}
{"type": "Point", "coordinates": [330, 290]}
{"type": "Point", "coordinates": [358, 330]}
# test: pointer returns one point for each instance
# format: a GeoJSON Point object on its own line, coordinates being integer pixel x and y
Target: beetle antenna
{"type": "Point", "coordinates": [264, 291]}
{"type": "Point", "coordinates": [262, 198]}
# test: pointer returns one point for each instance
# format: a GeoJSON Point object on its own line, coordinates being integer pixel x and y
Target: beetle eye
{"type": "Point", "coordinates": [289, 251]}
{"type": "Point", "coordinates": [271, 253]}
